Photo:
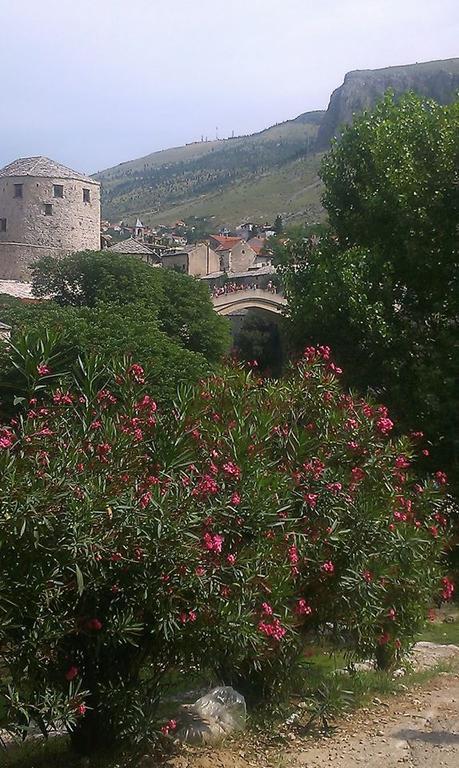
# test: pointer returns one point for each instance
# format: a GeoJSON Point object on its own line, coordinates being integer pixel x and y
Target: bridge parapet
{"type": "Point", "coordinates": [227, 303]}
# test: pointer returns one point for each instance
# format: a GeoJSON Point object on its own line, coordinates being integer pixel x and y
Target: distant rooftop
{"type": "Point", "coordinates": [131, 246]}
{"type": "Point", "coordinates": [43, 166]}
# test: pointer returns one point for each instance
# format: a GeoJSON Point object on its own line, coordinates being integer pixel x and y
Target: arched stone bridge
{"type": "Point", "coordinates": [228, 303]}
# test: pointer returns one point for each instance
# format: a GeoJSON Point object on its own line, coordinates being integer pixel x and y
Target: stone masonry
{"type": "Point", "coordinates": [45, 209]}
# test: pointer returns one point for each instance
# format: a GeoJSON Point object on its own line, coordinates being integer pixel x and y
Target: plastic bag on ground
{"type": "Point", "coordinates": [212, 717]}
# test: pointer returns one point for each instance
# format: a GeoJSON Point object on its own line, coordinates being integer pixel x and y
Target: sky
{"type": "Point", "coordinates": [92, 83]}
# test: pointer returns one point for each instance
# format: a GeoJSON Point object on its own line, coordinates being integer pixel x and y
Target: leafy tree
{"type": "Point", "coordinates": [105, 329]}
{"type": "Point", "coordinates": [181, 304]}
{"type": "Point", "coordinates": [278, 225]}
{"type": "Point", "coordinates": [384, 289]}
{"type": "Point", "coordinates": [259, 339]}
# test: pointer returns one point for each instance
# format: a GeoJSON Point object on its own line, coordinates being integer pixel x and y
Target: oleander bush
{"type": "Point", "coordinates": [216, 535]}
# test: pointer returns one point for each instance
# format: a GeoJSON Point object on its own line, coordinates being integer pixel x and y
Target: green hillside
{"type": "Point", "coordinates": [293, 190]}
{"type": "Point", "coordinates": [228, 179]}
{"type": "Point", "coordinates": [258, 176]}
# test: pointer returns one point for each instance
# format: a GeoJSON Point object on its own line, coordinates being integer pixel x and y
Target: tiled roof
{"type": "Point", "coordinates": [225, 243]}
{"type": "Point", "coordinates": [43, 166]}
{"type": "Point", "coordinates": [131, 246]}
{"type": "Point", "coordinates": [256, 243]}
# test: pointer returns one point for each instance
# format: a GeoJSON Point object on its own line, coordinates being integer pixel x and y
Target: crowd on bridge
{"type": "Point", "coordinates": [223, 290]}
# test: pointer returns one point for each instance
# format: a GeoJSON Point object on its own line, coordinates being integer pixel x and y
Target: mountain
{"type": "Point", "coordinates": [361, 89]}
{"type": "Point", "coordinates": [265, 168]}
{"type": "Point", "coordinates": [258, 176]}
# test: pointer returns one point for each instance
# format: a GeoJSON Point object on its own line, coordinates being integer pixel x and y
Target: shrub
{"type": "Point", "coordinates": [217, 534]}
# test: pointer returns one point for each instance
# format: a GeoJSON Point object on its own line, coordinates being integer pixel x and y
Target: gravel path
{"type": "Point", "coordinates": [418, 729]}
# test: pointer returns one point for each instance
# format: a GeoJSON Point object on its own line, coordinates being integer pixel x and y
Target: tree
{"type": "Point", "coordinates": [278, 225]}
{"type": "Point", "coordinates": [383, 288]}
{"type": "Point", "coordinates": [181, 304]}
{"type": "Point", "coordinates": [107, 330]}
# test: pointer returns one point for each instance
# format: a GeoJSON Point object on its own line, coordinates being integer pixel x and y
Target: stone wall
{"type": "Point", "coordinates": [74, 224]}
{"type": "Point", "coordinates": [16, 259]}
{"type": "Point", "coordinates": [199, 261]}
{"type": "Point", "coordinates": [242, 257]}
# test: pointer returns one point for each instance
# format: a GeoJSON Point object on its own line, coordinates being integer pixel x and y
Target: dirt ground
{"type": "Point", "coordinates": [419, 729]}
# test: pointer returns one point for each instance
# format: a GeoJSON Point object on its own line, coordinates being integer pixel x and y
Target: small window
{"type": "Point", "coordinates": [58, 190]}
{"type": "Point", "coordinates": [2, 225]}
{"type": "Point", "coordinates": [18, 190]}
{"type": "Point", "coordinates": [48, 209]}
{"type": "Point", "coordinates": [86, 196]}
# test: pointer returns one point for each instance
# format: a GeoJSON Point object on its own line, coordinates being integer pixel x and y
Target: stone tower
{"type": "Point", "coordinates": [45, 209]}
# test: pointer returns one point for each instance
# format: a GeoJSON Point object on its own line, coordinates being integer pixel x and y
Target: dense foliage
{"type": "Point", "coordinates": [135, 541]}
{"type": "Point", "coordinates": [111, 305]}
{"type": "Point", "coordinates": [383, 289]}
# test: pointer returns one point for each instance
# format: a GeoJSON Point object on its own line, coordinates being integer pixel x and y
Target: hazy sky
{"type": "Point", "coordinates": [94, 82]}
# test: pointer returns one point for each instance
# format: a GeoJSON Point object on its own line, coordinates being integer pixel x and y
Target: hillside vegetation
{"type": "Point", "coordinates": [256, 177]}
{"type": "Point", "coordinates": [208, 178]}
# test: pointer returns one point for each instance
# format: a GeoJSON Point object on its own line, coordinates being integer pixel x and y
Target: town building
{"type": "Point", "coordinates": [132, 247]}
{"type": "Point", "coordinates": [197, 260]}
{"type": "Point", "coordinates": [235, 254]}
{"type": "Point", "coordinates": [45, 209]}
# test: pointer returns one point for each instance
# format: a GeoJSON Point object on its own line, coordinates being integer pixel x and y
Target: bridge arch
{"type": "Point", "coordinates": [228, 303]}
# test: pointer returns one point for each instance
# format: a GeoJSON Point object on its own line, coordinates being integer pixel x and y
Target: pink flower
{"type": "Point", "coordinates": [384, 425]}
{"type": "Point", "coordinates": [213, 542]}
{"type": "Point", "coordinates": [171, 725]}
{"type": "Point", "coordinates": [137, 373]}
{"type": "Point", "coordinates": [303, 608]}
{"type": "Point", "coordinates": [145, 499]}
{"type": "Point", "coordinates": [81, 709]}
{"type": "Point", "coordinates": [6, 441]}
{"type": "Point", "coordinates": [311, 499]}
{"type": "Point", "coordinates": [103, 449]}
{"type": "Point", "coordinates": [43, 369]}
{"type": "Point", "coordinates": [231, 559]}
{"type": "Point", "coordinates": [401, 462]}
{"type": "Point", "coordinates": [275, 630]}
{"type": "Point", "coordinates": [314, 467]}
{"type": "Point", "coordinates": [328, 567]}
{"type": "Point", "coordinates": [266, 608]}
{"type": "Point", "coordinates": [367, 576]}
{"type": "Point", "coordinates": [293, 555]}
{"type": "Point", "coordinates": [448, 588]}
{"type": "Point", "coordinates": [334, 487]}
{"type": "Point", "coordinates": [146, 402]}
{"type": "Point", "coordinates": [391, 614]}
{"type": "Point", "coordinates": [200, 571]}
{"type": "Point", "coordinates": [384, 638]}
{"type": "Point", "coordinates": [441, 478]}
{"type": "Point", "coordinates": [71, 673]}
{"type": "Point", "coordinates": [207, 486]}
{"type": "Point", "coordinates": [232, 469]}
{"type": "Point", "coordinates": [235, 499]}
{"type": "Point", "coordinates": [94, 625]}
{"type": "Point", "coordinates": [191, 616]}
{"type": "Point", "coordinates": [357, 474]}
{"type": "Point", "coordinates": [62, 398]}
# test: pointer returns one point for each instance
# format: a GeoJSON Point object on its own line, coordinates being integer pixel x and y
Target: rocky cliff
{"type": "Point", "coordinates": [361, 89]}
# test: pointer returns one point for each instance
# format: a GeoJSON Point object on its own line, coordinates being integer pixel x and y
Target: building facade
{"type": "Point", "coordinates": [197, 260]}
{"type": "Point", "coordinates": [45, 209]}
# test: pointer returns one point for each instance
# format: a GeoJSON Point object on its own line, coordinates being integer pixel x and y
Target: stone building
{"type": "Point", "coordinates": [234, 253]}
{"type": "Point", "coordinates": [45, 209]}
{"type": "Point", "coordinates": [197, 260]}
